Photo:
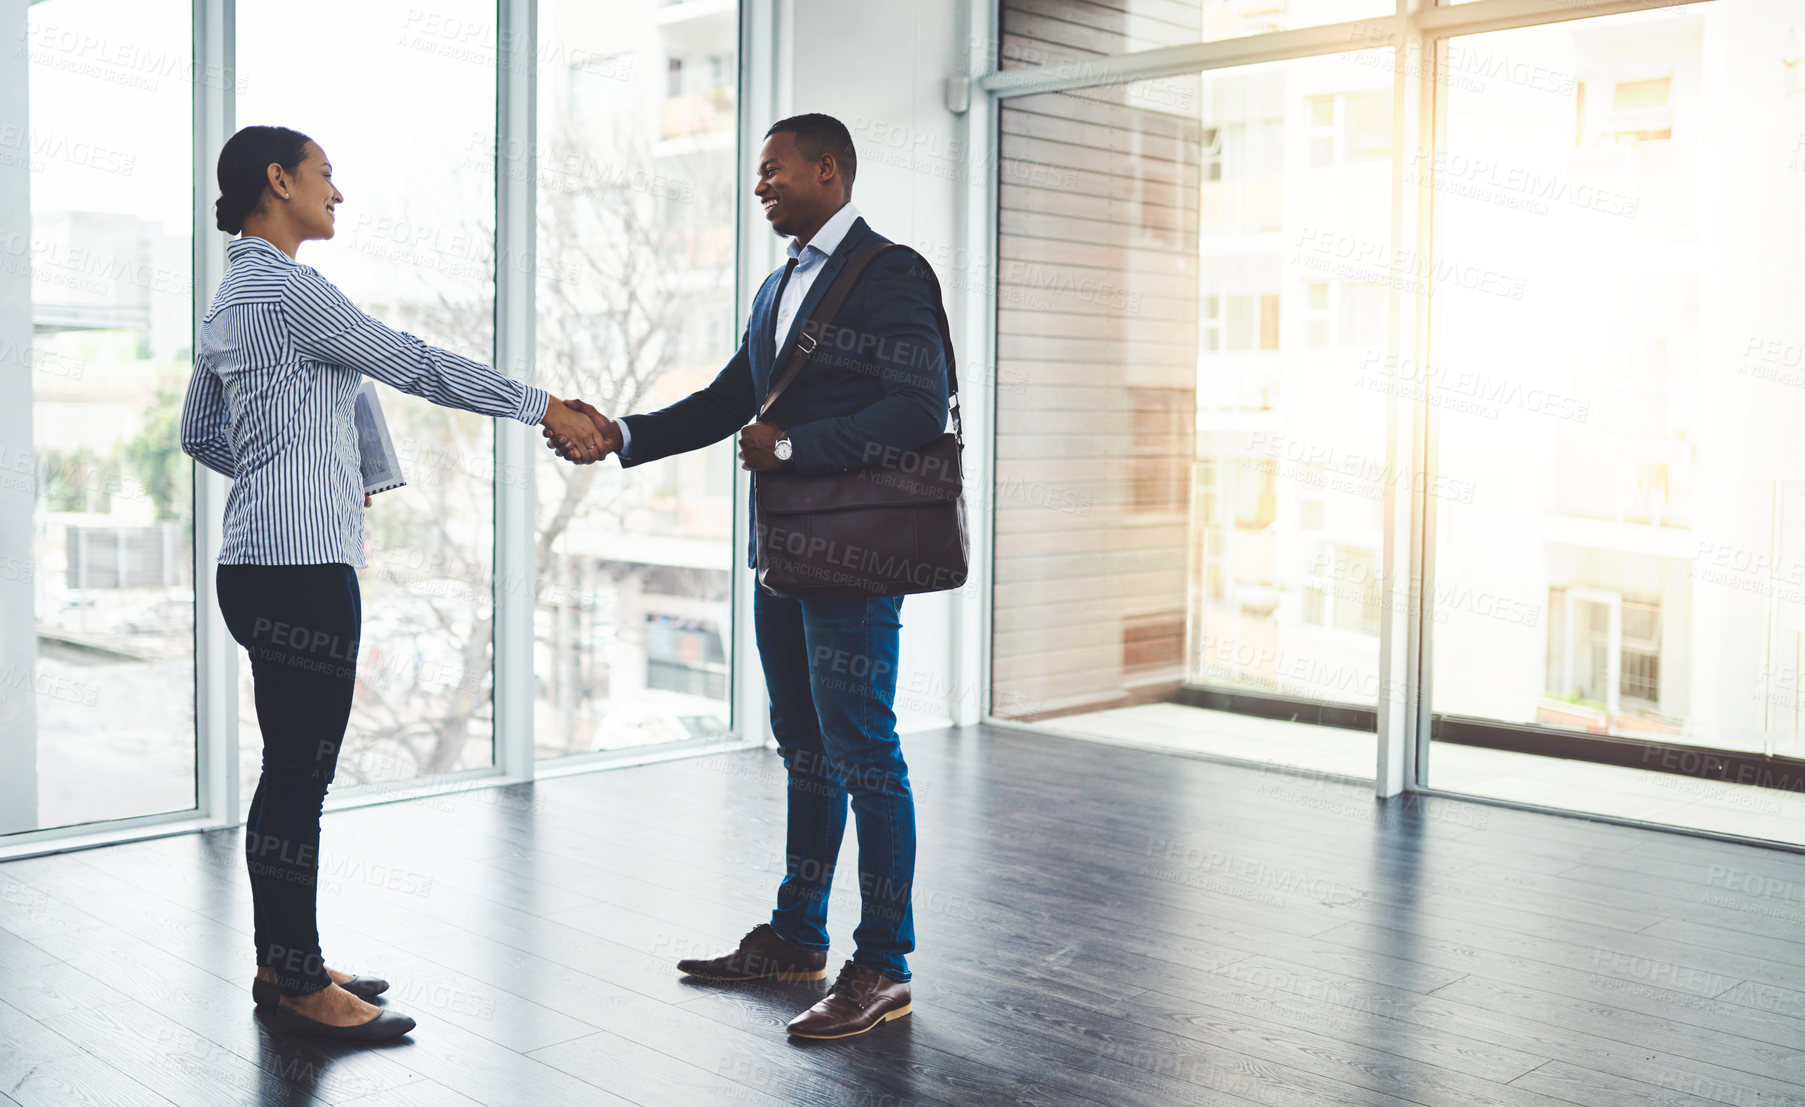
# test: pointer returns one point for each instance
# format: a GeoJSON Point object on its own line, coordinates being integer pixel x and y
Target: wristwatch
{"type": "Point", "coordinates": [782, 449]}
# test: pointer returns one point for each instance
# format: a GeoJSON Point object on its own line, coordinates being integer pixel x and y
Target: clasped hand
{"type": "Point", "coordinates": [578, 432]}
{"type": "Point", "coordinates": [581, 434]}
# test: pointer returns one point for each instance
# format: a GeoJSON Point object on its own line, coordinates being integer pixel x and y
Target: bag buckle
{"type": "Point", "coordinates": [808, 350]}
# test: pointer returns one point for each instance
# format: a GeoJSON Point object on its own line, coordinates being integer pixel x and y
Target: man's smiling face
{"type": "Point", "coordinates": [790, 188]}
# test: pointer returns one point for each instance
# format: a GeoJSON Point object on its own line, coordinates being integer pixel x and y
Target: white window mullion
{"type": "Point", "coordinates": [767, 29]}
{"type": "Point", "coordinates": [1406, 552]}
{"type": "Point", "coordinates": [215, 652]}
{"type": "Point", "coordinates": [516, 565]}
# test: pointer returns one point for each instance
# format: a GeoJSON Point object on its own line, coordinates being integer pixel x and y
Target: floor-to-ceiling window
{"type": "Point", "coordinates": [637, 187]}
{"type": "Point", "coordinates": [1189, 475]}
{"type": "Point", "coordinates": [1631, 564]}
{"type": "Point", "coordinates": [96, 589]}
{"type": "Point", "coordinates": [1098, 214]}
{"type": "Point", "coordinates": [415, 247]}
{"type": "Point", "coordinates": [636, 139]}
{"type": "Point", "coordinates": [1306, 418]}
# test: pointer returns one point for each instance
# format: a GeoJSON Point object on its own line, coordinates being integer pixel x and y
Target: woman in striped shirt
{"type": "Point", "coordinates": [282, 353]}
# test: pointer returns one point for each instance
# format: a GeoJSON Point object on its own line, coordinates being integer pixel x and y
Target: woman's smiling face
{"type": "Point", "coordinates": [311, 196]}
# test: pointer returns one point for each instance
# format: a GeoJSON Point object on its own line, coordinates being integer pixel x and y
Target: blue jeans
{"type": "Point", "coordinates": [830, 668]}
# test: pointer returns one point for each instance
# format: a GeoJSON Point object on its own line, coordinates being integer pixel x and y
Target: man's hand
{"type": "Point", "coordinates": [758, 441]}
{"type": "Point", "coordinates": [366, 499]}
{"type": "Point", "coordinates": [578, 432]}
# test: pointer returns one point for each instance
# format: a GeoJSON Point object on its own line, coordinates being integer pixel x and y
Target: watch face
{"type": "Point", "coordinates": [783, 449]}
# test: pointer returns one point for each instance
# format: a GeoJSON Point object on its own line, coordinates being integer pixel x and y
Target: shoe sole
{"type": "Point", "coordinates": [785, 977]}
{"type": "Point", "coordinates": [896, 1014]}
{"type": "Point", "coordinates": [310, 1028]}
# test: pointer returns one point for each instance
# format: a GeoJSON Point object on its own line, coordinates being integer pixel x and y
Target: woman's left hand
{"type": "Point", "coordinates": [366, 499]}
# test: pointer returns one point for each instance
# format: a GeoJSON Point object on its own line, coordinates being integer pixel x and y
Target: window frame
{"type": "Point", "coordinates": [1421, 29]}
{"type": "Point", "coordinates": [219, 803]}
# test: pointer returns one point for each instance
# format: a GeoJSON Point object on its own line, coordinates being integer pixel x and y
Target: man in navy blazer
{"type": "Point", "coordinates": [877, 383]}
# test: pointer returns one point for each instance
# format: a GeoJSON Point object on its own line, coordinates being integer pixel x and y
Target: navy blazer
{"type": "Point", "coordinates": [876, 382]}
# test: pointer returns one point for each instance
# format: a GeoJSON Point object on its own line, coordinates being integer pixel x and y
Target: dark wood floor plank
{"type": "Point", "coordinates": [1408, 1066]}
{"type": "Point", "coordinates": [1583, 1086]}
{"type": "Point", "coordinates": [1097, 926]}
{"type": "Point", "coordinates": [41, 1068]}
{"type": "Point", "coordinates": [658, 1023]}
{"type": "Point", "coordinates": [649, 1077]}
{"type": "Point", "coordinates": [1787, 951]}
{"type": "Point", "coordinates": [1467, 950]}
{"type": "Point", "coordinates": [18, 955]}
{"type": "Point", "coordinates": [1782, 1003]}
{"type": "Point", "coordinates": [645, 972]}
{"type": "Point", "coordinates": [433, 992]}
{"type": "Point", "coordinates": [175, 1062]}
{"type": "Point", "coordinates": [57, 988]}
{"type": "Point", "coordinates": [929, 1070]}
{"type": "Point", "coordinates": [1692, 967]}
{"type": "Point", "coordinates": [1308, 865]}
{"type": "Point", "coordinates": [1633, 984]}
{"type": "Point", "coordinates": [29, 912]}
{"type": "Point", "coordinates": [419, 1093]}
{"type": "Point", "coordinates": [496, 1076]}
{"type": "Point", "coordinates": [1595, 1042]}
{"type": "Point", "coordinates": [1227, 1003]}
{"type": "Point", "coordinates": [205, 942]}
{"type": "Point", "coordinates": [1670, 1035]}
{"type": "Point", "coordinates": [221, 1012]}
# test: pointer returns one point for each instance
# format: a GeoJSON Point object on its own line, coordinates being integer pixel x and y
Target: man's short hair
{"type": "Point", "coordinates": [818, 134]}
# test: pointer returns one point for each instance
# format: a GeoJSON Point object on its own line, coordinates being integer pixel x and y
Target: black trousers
{"type": "Point", "coordinates": [300, 624]}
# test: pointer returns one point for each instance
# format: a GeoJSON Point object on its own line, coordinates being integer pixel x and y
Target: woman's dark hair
{"type": "Point", "coordinates": [244, 163]}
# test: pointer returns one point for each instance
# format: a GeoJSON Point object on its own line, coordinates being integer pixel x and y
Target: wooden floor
{"type": "Point", "coordinates": [1096, 926]}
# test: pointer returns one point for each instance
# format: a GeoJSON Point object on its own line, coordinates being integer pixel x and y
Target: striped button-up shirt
{"type": "Point", "coordinates": [282, 353]}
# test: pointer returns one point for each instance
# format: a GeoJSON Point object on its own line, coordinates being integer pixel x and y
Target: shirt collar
{"type": "Point", "coordinates": [250, 243]}
{"type": "Point", "coordinates": [831, 234]}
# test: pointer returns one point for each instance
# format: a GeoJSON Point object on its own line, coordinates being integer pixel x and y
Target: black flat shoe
{"type": "Point", "coordinates": [379, 1029]}
{"type": "Point", "coordinates": [265, 994]}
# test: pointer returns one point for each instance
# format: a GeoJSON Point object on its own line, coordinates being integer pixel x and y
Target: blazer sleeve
{"type": "Point", "coordinates": [699, 419]}
{"type": "Point", "coordinates": [901, 347]}
{"type": "Point", "coordinates": [205, 431]}
{"type": "Point", "coordinates": [324, 325]}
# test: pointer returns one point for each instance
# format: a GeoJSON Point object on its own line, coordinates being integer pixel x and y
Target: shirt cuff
{"type": "Point", "coordinates": [533, 402]}
{"type": "Point", "coordinates": [626, 441]}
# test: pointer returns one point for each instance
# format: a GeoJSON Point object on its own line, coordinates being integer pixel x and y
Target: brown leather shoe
{"type": "Point", "coordinates": [860, 999]}
{"type": "Point", "coordinates": [762, 956]}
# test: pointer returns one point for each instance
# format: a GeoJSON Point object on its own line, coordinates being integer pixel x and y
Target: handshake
{"type": "Point", "coordinates": [578, 432]}
{"type": "Point", "coordinates": [583, 436]}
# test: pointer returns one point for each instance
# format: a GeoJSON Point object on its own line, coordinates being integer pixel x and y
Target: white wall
{"type": "Point", "coordinates": [881, 68]}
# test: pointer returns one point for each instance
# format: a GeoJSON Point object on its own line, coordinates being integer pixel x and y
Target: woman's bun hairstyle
{"type": "Point", "coordinates": [244, 170]}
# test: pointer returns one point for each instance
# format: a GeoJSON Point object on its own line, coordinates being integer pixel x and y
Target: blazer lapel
{"type": "Point", "coordinates": [855, 235]}
{"type": "Point", "coordinates": [764, 320]}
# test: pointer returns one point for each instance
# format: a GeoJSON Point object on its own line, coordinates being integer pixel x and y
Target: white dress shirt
{"type": "Point", "coordinates": [809, 262]}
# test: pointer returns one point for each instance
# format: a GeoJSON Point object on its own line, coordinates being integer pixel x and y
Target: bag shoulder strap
{"type": "Point", "coordinates": [829, 306]}
{"type": "Point", "coordinates": [803, 348]}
